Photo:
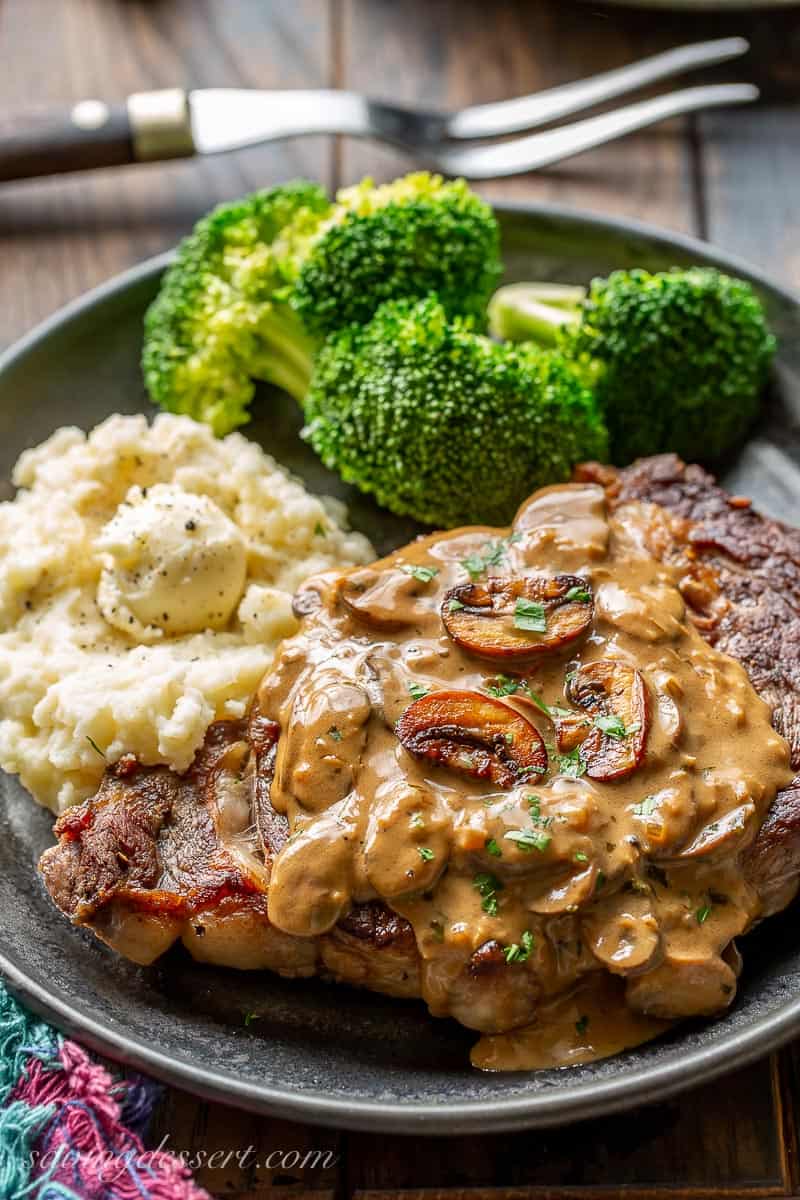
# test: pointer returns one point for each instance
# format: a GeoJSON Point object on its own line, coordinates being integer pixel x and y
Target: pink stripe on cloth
{"type": "Point", "coordinates": [85, 1147]}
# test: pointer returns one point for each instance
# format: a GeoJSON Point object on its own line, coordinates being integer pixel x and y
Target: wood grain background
{"type": "Point", "coordinates": [731, 177]}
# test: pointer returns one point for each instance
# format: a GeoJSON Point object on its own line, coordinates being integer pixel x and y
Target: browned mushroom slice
{"type": "Point", "coordinates": [520, 617]}
{"type": "Point", "coordinates": [475, 735]}
{"type": "Point", "coordinates": [386, 599]}
{"type": "Point", "coordinates": [571, 730]}
{"type": "Point", "coordinates": [566, 893]}
{"type": "Point", "coordinates": [623, 934]}
{"type": "Point", "coordinates": [719, 835]}
{"type": "Point", "coordinates": [615, 698]}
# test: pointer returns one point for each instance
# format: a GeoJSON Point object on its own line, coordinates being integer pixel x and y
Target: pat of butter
{"type": "Point", "coordinates": [173, 564]}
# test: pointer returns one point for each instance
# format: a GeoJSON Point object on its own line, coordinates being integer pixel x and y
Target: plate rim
{"type": "Point", "coordinates": [540, 1109]}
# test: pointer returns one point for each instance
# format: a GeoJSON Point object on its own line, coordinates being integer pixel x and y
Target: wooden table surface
{"type": "Point", "coordinates": [733, 178]}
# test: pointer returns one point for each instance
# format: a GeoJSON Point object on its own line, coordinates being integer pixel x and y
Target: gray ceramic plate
{"type": "Point", "coordinates": [322, 1053]}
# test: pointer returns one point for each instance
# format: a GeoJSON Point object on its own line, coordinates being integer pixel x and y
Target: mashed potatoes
{"type": "Point", "coordinates": [146, 575]}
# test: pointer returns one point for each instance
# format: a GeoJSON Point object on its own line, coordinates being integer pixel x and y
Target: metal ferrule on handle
{"type": "Point", "coordinates": [161, 125]}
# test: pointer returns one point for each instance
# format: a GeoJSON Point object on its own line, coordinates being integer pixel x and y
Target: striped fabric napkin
{"type": "Point", "coordinates": [69, 1130]}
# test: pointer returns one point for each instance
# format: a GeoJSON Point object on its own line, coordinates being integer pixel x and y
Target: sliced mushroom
{"type": "Point", "coordinates": [306, 600]}
{"type": "Point", "coordinates": [322, 743]}
{"type": "Point", "coordinates": [475, 735]}
{"type": "Point", "coordinates": [519, 617]}
{"type": "Point", "coordinates": [720, 835]}
{"type": "Point", "coordinates": [571, 730]}
{"type": "Point", "coordinates": [615, 697]}
{"type": "Point", "coordinates": [623, 934]}
{"type": "Point", "coordinates": [407, 841]}
{"type": "Point", "coordinates": [311, 883]}
{"type": "Point", "coordinates": [566, 893]}
{"type": "Point", "coordinates": [385, 599]}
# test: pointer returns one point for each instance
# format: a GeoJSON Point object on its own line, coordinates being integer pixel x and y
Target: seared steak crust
{"type": "Point", "coordinates": [741, 578]}
{"type": "Point", "coordinates": [378, 926]}
{"type": "Point", "coordinates": [106, 845]}
{"type": "Point", "coordinates": [155, 856]}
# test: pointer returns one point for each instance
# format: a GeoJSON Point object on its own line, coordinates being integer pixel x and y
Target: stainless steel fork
{"type": "Point", "coordinates": [173, 123]}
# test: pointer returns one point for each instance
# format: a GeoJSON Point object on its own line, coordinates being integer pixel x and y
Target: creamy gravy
{"type": "Point", "coordinates": [570, 868]}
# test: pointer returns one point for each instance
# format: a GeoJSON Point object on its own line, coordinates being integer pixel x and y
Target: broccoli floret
{"type": "Point", "coordinates": [260, 281]}
{"type": "Point", "coordinates": [442, 424]}
{"type": "Point", "coordinates": [222, 317]}
{"type": "Point", "coordinates": [677, 360]}
{"type": "Point", "coordinates": [417, 236]}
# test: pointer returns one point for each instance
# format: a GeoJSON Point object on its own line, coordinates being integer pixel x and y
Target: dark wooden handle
{"type": "Point", "coordinates": [48, 143]}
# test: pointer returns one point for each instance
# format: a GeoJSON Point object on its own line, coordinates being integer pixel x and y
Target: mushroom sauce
{"type": "Point", "coordinates": [523, 746]}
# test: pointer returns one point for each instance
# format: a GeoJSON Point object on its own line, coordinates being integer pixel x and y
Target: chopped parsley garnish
{"type": "Point", "coordinates": [529, 839]}
{"type": "Point", "coordinates": [95, 746]}
{"type": "Point", "coordinates": [336, 733]}
{"type": "Point", "coordinates": [550, 710]}
{"type": "Point", "coordinates": [417, 821]}
{"type": "Point", "coordinates": [319, 530]}
{"type": "Point", "coordinates": [611, 724]}
{"type": "Point", "coordinates": [539, 701]}
{"type": "Point", "coordinates": [437, 929]}
{"type": "Point", "coordinates": [535, 809]}
{"type": "Point", "coordinates": [416, 691]}
{"type": "Point", "coordinates": [527, 771]}
{"type": "Point", "coordinates": [421, 574]}
{"type": "Point", "coordinates": [507, 685]}
{"type": "Point", "coordinates": [580, 594]}
{"type": "Point", "coordinates": [581, 857]}
{"type": "Point", "coordinates": [570, 764]}
{"type": "Point", "coordinates": [426, 854]}
{"type": "Point", "coordinates": [250, 1017]}
{"type": "Point", "coordinates": [488, 886]}
{"type": "Point", "coordinates": [601, 881]}
{"type": "Point", "coordinates": [454, 605]}
{"type": "Point", "coordinates": [495, 553]}
{"type": "Point", "coordinates": [582, 1024]}
{"type": "Point", "coordinates": [703, 914]}
{"type": "Point", "coordinates": [646, 807]}
{"type": "Point", "coordinates": [614, 726]}
{"type": "Point", "coordinates": [520, 952]}
{"type": "Point", "coordinates": [530, 615]}
{"type": "Point", "coordinates": [493, 848]}
{"type": "Point", "coordinates": [476, 564]}
{"type": "Point", "coordinates": [504, 685]}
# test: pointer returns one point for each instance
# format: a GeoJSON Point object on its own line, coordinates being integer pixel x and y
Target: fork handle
{"type": "Point", "coordinates": [150, 125]}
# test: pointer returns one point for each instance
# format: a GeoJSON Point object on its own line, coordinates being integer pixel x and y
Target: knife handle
{"type": "Point", "coordinates": [149, 126]}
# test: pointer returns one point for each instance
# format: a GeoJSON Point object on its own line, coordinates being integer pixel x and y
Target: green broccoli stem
{"type": "Point", "coordinates": [534, 312]}
{"type": "Point", "coordinates": [285, 351]}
